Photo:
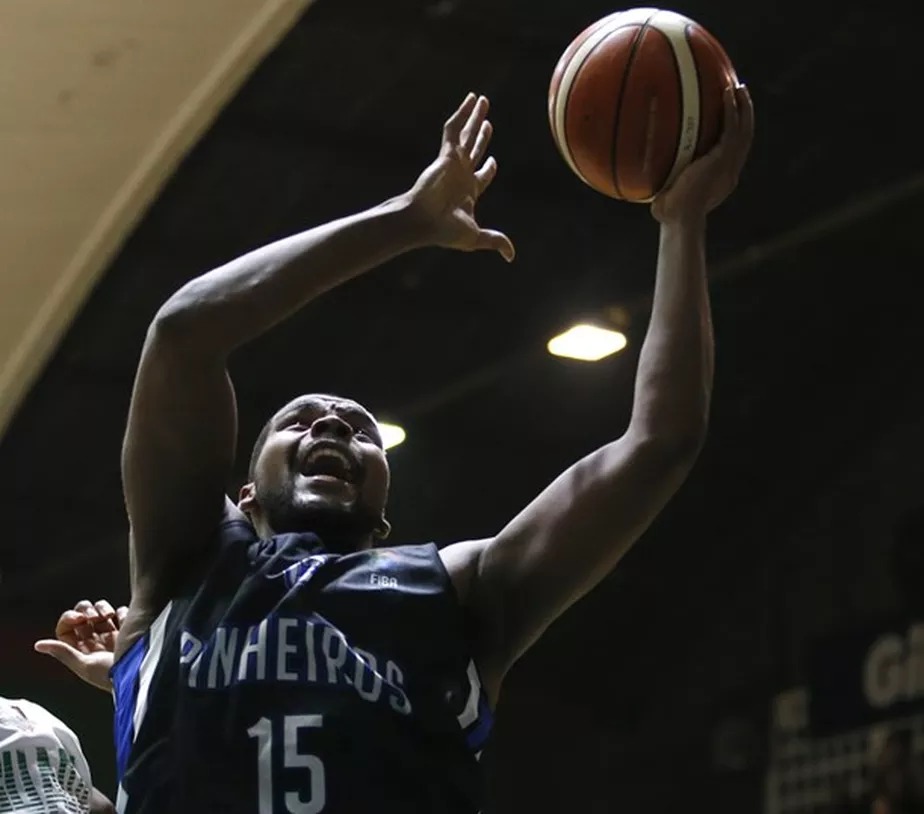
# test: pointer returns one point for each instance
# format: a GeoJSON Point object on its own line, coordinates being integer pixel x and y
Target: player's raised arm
{"type": "Point", "coordinates": [182, 425]}
{"type": "Point", "coordinates": [575, 531]}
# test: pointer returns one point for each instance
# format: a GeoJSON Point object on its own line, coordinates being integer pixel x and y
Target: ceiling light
{"type": "Point", "coordinates": [587, 343]}
{"type": "Point", "coordinates": [392, 435]}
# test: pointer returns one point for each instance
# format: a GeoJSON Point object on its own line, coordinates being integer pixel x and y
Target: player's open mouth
{"type": "Point", "coordinates": [328, 460]}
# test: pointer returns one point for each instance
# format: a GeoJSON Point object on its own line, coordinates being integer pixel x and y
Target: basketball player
{"type": "Point", "coordinates": [42, 768]}
{"type": "Point", "coordinates": [273, 658]}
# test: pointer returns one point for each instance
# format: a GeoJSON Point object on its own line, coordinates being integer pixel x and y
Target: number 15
{"type": "Point", "coordinates": [262, 730]}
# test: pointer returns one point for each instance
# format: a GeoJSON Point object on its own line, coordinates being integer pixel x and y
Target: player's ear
{"type": "Point", "coordinates": [382, 529]}
{"type": "Point", "coordinates": [247, 498]}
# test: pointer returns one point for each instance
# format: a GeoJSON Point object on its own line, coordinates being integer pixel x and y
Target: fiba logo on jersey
{"type": "Point", "coordinates": [382, 580]}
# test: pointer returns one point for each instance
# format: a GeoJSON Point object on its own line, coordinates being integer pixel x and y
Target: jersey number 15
{"type": "Point", "coordinates": [291, 758]}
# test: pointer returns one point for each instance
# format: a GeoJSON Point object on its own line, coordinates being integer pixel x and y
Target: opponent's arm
{"type": "Point", "coordinates": [100, 803]}
{"type": "Point", "coordinates": [85, 640]}
{"type": "Point", "coordinates": [182, 424]}
{"type": "Point", "coordinates": [576, 530]}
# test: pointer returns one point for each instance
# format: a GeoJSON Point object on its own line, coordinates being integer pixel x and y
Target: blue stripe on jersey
{"type": "Point", "coordinates": [477, 735]}
{"type": "Point", "coordinates": [125, 680]}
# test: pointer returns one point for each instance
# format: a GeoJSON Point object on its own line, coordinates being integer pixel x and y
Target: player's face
{"type": "Point", "coordinates": [322, 468]}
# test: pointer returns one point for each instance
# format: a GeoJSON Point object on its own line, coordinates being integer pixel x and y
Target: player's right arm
{"type": "Point", "coordinates": [182, 425]}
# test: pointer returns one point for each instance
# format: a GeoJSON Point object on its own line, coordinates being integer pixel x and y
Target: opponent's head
{"type": "Point", "coordinates": [318, 465]}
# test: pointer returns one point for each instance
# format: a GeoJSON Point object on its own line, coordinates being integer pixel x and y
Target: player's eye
{"type": "Point", "coordinates": [366, 435]}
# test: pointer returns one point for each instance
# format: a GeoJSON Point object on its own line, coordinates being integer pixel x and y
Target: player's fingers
{"type": "Point", "coordinates": [86, 630]}
{"type": "Point", "coordinates": [121, 613]}
{"type": "Point", "coordinates": [486, 175]}
{"type": "Point", "coordinates": [93, 622]}
{"type": "Point", "coordinates": [481, 143]}
{"type": "Point", "coordinates": [67, 655]}
{"type": "Point", "coordinates": [106, 622]}
{"type": "Point", "coordinates": [729, 120]}
{"type": "Point", "coordinates": [491, 240]}
{"type": "Point", "coordinates": [108, 641]}
{"type": "Point", "coordinates": [453, 126]}
{"type": "Point", "coordinates": [68, 621]}
{"type": "Point", "coordinates": [85, 606]}
{"type": "Point", "coordinates": [745, 122]}
{"type": "Point", "coordinates": [472, 127]}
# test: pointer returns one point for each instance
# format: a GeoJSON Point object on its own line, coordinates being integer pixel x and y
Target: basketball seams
{"type": "Point", "coordinates": [674, 27]}
{"type": "Point", "coordinates": [699, 91]}
{"type": "Point", "coordinates": [595, 35]}
{"type": "Point", "coordinates": [569, 75]}
{"type": "Point", "coordinates": [563, 62]}
{"type": "Point", "coordinates": [568, 56]}
{"type": "Point", "coordinates": [681, 113]}
{"type": "Point", "coordinates": [630, 62]}
{"type": "Point", "coordinates": [717, 54]}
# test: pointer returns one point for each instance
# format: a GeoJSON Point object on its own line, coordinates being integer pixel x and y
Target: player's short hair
{"type": "Point", "coordinates": [258, 447]}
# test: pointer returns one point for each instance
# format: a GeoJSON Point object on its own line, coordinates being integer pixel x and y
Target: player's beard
{"type": "Point", "coordinates": [342, 528]}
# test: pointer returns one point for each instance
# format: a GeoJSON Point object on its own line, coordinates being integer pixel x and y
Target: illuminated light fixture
{"type": "Point", "coordinates": [392, 435]}
{"type": "Point", "coordinates": [587, 343]}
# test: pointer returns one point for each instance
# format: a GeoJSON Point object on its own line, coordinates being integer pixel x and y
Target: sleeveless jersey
{"type": "Point", "coordinates": [42, 767]}
{"type": "Point", "coordinates": [295, 681]}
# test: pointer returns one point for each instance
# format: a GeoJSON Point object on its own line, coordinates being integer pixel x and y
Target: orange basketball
{"type": "Point", "coordinates": [635, 98]}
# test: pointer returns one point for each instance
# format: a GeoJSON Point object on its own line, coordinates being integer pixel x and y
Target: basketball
{"type": "Point", "coordinates": [635, 98]}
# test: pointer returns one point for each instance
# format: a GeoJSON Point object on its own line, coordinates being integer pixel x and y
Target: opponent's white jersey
{"type": "Point", "coordinates": [42, 767]}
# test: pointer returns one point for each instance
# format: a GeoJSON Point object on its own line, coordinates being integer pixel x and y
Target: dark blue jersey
{"type": "Point", "coordinates": [290, 680]}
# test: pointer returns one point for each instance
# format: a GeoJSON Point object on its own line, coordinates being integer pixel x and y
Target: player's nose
{"type": "Point", "coordinates": [331, 426]}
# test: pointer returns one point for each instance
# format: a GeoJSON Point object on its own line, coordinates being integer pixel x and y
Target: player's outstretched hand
{"type": "Point", "coordinates": [85, 640]}
{"type": "Point", "coordinates": [445, 195]}
{"type": "Point", "coordinates": [709, 180]}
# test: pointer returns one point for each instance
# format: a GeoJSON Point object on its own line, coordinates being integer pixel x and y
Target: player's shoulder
{"type": "Point", "coordinates": [397, 556]}
{"type": "Point", "coordinates": [13, 717]}
{"type": "Point", "coordinates": [461, 559]}
{"type": "Point", "coordinates": [463, 553]}
{"type": "Point", "coordinates": [459, 562]}
{"type": "Point", "coordinates": [234, 535]}
{"type": "Point", "coordinates": [22, 715]}
{"type": "Point", "coordinates": [411, 563]}
{"type": "Point", "coordinates": [23, 710]}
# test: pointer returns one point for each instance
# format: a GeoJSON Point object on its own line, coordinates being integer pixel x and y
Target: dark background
{"type": "Point", "coordinates": [785, 530]}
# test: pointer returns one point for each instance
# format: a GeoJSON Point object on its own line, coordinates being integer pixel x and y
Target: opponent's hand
{"type": "Point", "coordinates": [85, 640]}
{"type": "Point", "coordinates": [709, 180]}
{"type": "Point", "coordinates": [445, 195]}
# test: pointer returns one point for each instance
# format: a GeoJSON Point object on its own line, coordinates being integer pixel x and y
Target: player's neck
{"type": "Point", "coordinates": [337, 542]}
